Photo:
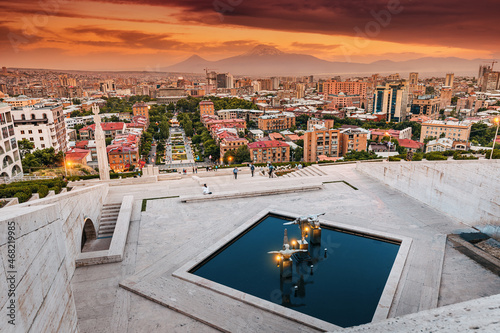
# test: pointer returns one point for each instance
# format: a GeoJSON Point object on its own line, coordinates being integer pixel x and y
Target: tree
{"type": "Point", "coordinates": [108, 141]}
{"type": "Point", "coordinates": [229, 157]}
{"type": "Point", "coordinates": [25, 147]}
{"type": "Point", "coordinates": [242, 154]}
{"type": "Point", "coordinates": [301, 121]}
{"type": "Point", "coordinates": [298, 153]}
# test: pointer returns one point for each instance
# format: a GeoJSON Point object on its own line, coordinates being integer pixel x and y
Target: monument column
{"type": "Point", "coordinates": [100, 142]}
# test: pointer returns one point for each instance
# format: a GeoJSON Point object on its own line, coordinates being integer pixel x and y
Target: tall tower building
{"type": "Point", "coordinates": [392, 99]}
{"type": "Point", "coordinates": [100, 142]}
{"type": "Point", "coordinates": [413, 78]}
{"type": "Point", "coordinates": [449, 80]}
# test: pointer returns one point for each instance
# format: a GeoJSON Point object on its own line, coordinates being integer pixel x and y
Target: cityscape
{"type": "Point", "coordinates": [143, 141]}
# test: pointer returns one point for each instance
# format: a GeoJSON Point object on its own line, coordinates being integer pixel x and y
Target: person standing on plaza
{"type": "Point", "coordinates": [235, 172]}
{"type": "Point", "coordinates": [252, 169]}
{"type": "Point", "coordinates": [271, 171]}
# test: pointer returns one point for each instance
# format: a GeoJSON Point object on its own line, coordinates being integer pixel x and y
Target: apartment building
{"type": "Point", "coordinates": [276, 122]}
{"type": "Point", "coordinates": [207, 107]}
{"type": "Point", "coordinates": [141, 109]}
{"type": "Point", "coordinates": [231, 143]}
{"type": "Point", "coordinates": [271, 151]}
{"type": "Point", "coordinates": [43, 125]}
{"type": "Point", "coordinates": [457, 131]}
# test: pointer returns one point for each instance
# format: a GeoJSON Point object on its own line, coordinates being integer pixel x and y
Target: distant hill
{"type": "Point", "coordinates": [268, 60]}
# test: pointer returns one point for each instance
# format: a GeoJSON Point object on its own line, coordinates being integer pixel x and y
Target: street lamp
{"type": "Point", "coordinates": [497, 121]}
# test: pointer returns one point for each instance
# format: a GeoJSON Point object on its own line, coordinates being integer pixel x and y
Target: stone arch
{"type": "Point", "coordinates": [7, 160]}
{"type": "Point", "coordinates": [88, 231]}
{"type": "Point", "coordinates": [16, 169]}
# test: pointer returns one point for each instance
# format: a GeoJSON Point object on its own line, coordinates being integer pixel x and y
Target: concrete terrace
{"type": "Point", "coordinates": [169, 233]}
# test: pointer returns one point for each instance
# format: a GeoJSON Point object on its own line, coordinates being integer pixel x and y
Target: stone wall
{"type": "Point", "coordinates": [466, 190]}
{"type": "Point", "coordinates": [47, 240]}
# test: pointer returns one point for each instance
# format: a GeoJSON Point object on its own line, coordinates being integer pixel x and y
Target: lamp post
{"type": "Point", "coordinates": [64, 161]}
{"type": "Point", "coordinates": [497, 121]}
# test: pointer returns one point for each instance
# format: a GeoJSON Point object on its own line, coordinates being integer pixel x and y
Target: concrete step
{"type": "Point", "coordinates": [107, 227]}
{"type": "Point", "coordinates": [107, 223]}
{"type": "Point", "coordinates": [105, 214]}
{"type": "Point", "coordinates": [318, 170]}
{"type": "Point", "coordinates": [107, 234]}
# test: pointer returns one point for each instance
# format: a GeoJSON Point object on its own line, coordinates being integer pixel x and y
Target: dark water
{"type": "Point", "coordinates": [344, 289]}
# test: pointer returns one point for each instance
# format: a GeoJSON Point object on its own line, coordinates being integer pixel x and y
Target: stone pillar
{"type": "Point", "coordinates": [100, 142]}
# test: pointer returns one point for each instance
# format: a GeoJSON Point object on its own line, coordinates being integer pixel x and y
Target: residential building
{"type": "Point", "coordinates": [11, 166]}
{"type": "Point", "coordinates": [410, 145]}
{"type": "Point", "coordinates": [445, 97]}
{"type": "Point", "coordinates": [22, 101]}
{"type": "Point", "coordinates": [315, 123]}
{"type": "Point", "coordinates": [252, 115]}
{"type": "Point", "coordinates": [122, 157]}
{"type": "Point", "coordinates": [322, 142]}
{"type": "Point", "coordinates": [271, 151]}
{"type": "Point", "coordinates": [334, 87]}
{"type": "Point", "coordinates": [110, 129]}
{"type": "Point", "coordinates": [453, 130]}
{"type": "Point", "coordinates": [207, 107]}
{"type": "Point", "coordinates": [77, 156]}
{"type": "Point", "coordinates": [257, 134]}
{"type": "Point", "coordinates": [231, 143]}
{"type": "Point", "coordinates": [441, 144]}
{"type": "Point", "coordinates": [427, 105]}
{"type": "Point", "coordinates": [141, 109]}
{"type": "Point", "coordinates": [342, 100]}
{"type": "Point", "coordinates": [43, 125]}
{"type": "Point", "coordinates": [276, 122]}
{"type": "Point", "coordinates": [353, 139]}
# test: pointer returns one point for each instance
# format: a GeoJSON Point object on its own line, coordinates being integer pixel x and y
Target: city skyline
{"type": "Point", "coordinates": [145, 35]}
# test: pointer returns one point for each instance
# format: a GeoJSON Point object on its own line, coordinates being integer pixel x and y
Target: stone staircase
{"type": "Point", "coordinates": [109, 215]}
{"type": "Point", "coordinates": [310, 171]}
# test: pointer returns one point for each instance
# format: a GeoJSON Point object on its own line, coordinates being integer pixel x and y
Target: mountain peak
{"type": "Point", "coordinates": [264, 50]}
{"type": "Point", "coordinates": [195, 57]}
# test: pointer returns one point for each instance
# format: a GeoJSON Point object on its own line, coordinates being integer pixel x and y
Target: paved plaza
{"type": "Point", "coordinates": [170, 233]}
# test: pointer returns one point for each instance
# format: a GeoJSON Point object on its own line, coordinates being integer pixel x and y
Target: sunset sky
{"type": "Point", "coordinates": [143, 35]}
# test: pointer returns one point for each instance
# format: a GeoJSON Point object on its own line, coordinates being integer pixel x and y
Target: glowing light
{"type": "Point", "coordinates": [496, 120]}
{"type": "Point", "coordinates": [307, 229]}
{"type": "Point", "coordinates": [278, 258]}
{"type": "Point", "coordinates": [294, 242]}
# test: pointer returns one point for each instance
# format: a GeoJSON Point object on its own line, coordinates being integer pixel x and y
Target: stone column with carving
{"type": "Point", "coordinates": [100, 142]}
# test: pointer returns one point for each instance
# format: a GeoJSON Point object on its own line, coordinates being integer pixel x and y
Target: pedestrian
{"type": "Point", "coordinates": [206, 190]}
{"type": "Point", "coordinates": [216, 167]}
{"type": "Point", "coordinates": [196, 169]}
{"type": "Point", "coordinates": [271, 171]}
{"type": "Point", "coordinates": [207, 168]}
{"type": "Point", "coordinates": [235, 172]}
{"type": "Point", "coordinates": [252, 169]}
{"type": "Point", "coordinates": [193, 170]}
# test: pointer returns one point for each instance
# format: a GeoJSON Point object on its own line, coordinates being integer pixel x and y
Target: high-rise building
{"type": "Point", "coordinates": [10, 166]}
{"type": "Point", "coordinates": [413, 78]}
{"type": "Point", "coordinates": [392, 99]}
{"type": "Point", "coordinates": [301, 90]}
{"type": "Point", "coordinates": [275, 83]}
{"type": "Point", "coordinates": [449, 80]}
{"type": "Point", "coordinates": [224, 80]}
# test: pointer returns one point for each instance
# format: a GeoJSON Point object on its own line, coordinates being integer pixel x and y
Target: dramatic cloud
{"type": "Point", "coordinates": [170, 31]}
